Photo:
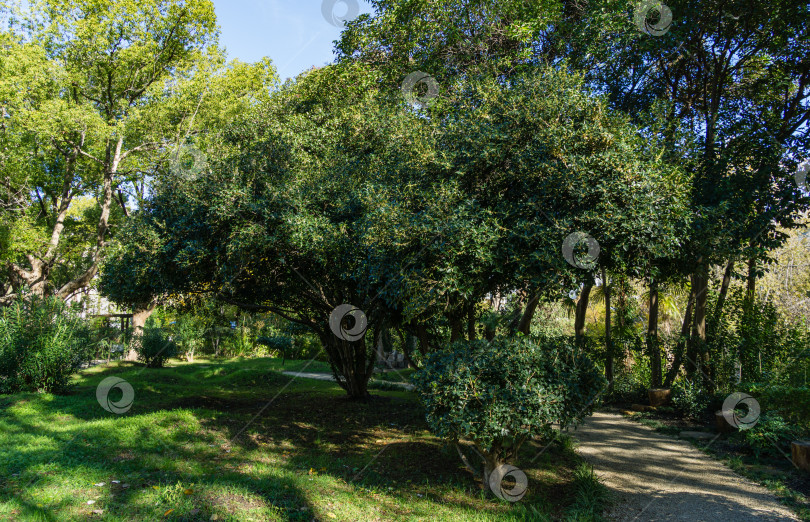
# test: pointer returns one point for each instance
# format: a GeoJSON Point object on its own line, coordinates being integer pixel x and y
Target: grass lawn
{"type": "Point", "coordinates": [395, 375]}
{"type": "Point", "coordinates": [236, 440]}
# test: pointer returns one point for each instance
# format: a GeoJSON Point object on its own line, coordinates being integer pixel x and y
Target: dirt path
{"type": "Point", "coordinates": [330, 377]}
{"type": "Point", "coordinates": [655, 477]}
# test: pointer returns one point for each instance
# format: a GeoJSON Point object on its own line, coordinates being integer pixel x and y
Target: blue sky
{"type": "Point", "coordinates": [293, 33]}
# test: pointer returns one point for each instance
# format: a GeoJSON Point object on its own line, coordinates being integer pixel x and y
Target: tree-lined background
{"type": "Point", "coordinates": [231, 212]}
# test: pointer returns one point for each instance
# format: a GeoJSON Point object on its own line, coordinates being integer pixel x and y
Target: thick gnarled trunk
{"type": "Point", "coordinates": [351, 364]}
{"type": "Point", "coordinates": [139, 316]}
{"type": "Point", "coordinates": [36, 277]}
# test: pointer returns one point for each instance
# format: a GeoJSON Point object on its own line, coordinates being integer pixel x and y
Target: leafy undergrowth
{"type": "Point", "coordinates": [236, 440]}
{"type": "Point", "coordinates": [775, 472]}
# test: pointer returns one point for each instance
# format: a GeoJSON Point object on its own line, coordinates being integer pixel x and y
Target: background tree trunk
{"type": "Point", "coordinates": [456, 330]}
{"type": "Point", "coordinates": [683, 341]}
{"type": "Point", "coordinates": [608, 345]}
{"type": "Point", "coordinates": [581, 312]}
{"type": "Point", "coordinates": [721, 298]}
{"type": "Point", "coordinates": [751, 282]}
{"type": "Point", "coordinates": [652, 336]}
{"type": "Point", "coordinates": [471, 323]}
{"type": "Point", "coordinates": [701, 354]}
{"type": "Point", "coordinates": [525, 324]}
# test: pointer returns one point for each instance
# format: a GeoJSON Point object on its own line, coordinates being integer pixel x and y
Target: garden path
{"type": "Point", "coordinates": [656, 478]}
{"type": "Point", "coordinates": [330, 377]}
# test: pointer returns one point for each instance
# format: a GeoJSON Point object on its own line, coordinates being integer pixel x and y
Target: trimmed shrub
{"type": "Point", "coordinates": [499, 393]}
{"type": "Point", "coordinates": [42, 343]}
{"type": "Point", "coordinates": [154, 348]}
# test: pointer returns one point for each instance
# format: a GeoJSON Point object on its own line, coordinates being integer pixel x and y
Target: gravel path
{"type": "Point", "coordinates": [655, 477]}
{"type": "Point", "coordinates": [330, 377]}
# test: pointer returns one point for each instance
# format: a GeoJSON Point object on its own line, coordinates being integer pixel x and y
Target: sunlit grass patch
{"type": "Point", "coordinates": [236, 440]}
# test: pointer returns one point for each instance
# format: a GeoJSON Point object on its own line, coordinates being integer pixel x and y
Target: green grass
{"type": "Point", "coordinates": [298, 366]}
{"type": "Point", "coordinates": [395, 375]}
{"type": "Point", "coordinates": [236, 440]}
{"type": "Point", "coordinates": [775, 482]}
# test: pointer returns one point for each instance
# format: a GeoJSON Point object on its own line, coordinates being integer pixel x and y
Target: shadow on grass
{"type": "Point", "coordinates": [193, 447]}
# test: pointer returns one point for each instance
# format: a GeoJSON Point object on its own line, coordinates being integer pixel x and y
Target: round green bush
{"type": "Point", "coordinates": [499, 393]}
{"type": "Point", "coordinates": [154, 347]}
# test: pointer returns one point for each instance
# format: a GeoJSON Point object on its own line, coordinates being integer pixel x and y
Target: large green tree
{"type": "Point", "coordinates": [339, 192]}
{"type": "Point", "coordinates": [729, 84]}
{"type": "Point", "coordinates": [722, 91]}
{"type": "Point", "coordinates": [96, 107]}
{"type": "Point", "coordinates": [283, 219]}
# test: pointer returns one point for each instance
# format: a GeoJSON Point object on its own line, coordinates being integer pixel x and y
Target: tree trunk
{"type": "Point", "coordinates": [608, 345]}
{"type": "Point", "coordinates": [380, 352]}
{"type": "Point", "coordinates": [652, 336]}
{"type": "Point", "coordinates": [350, 364]}
{"type": "Point", "coordinates": [682, 341]}
{"type": "Point", "coordinates": [409, 344]}
{"type": "Point", "coordinates": [36, 279]}
{"type": "Point", "coordinates": [139, 316]}
{"type": "Point", "coordinates": [455, 330]}
{"type": "Point", "coordinates": [582, 309]}
{"type": "Point", "coordinates": [721, 298]}
{"type": "Point", "coordinates": [491, 462]}
{"type": "Point", "coordinates": [751, 286]}
{"type": "Point", "coordinates": [525, 324]}
{"type": "Point", "coordinates": [422, 336]}
{"type": "Point", "coordinates": [471, 323]}
{"type": "Point", "coordinates": [699, 327]}
{"type": "Point", "coordinates": [800, 454]}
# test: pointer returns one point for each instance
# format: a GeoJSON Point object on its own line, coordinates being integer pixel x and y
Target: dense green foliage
{"type": "Point", "coordinates": [690, 399]}
{"type": "Point", "coordinates": [249, 211]}
{"type": "Point", "coordinates": [42, 343]}
{"type": "Point", "coordinates": [155, 347]}
{"type": "Point", "coordinates": [499, 393]}
{"type": "Point", "coordinates": [320, 199]}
